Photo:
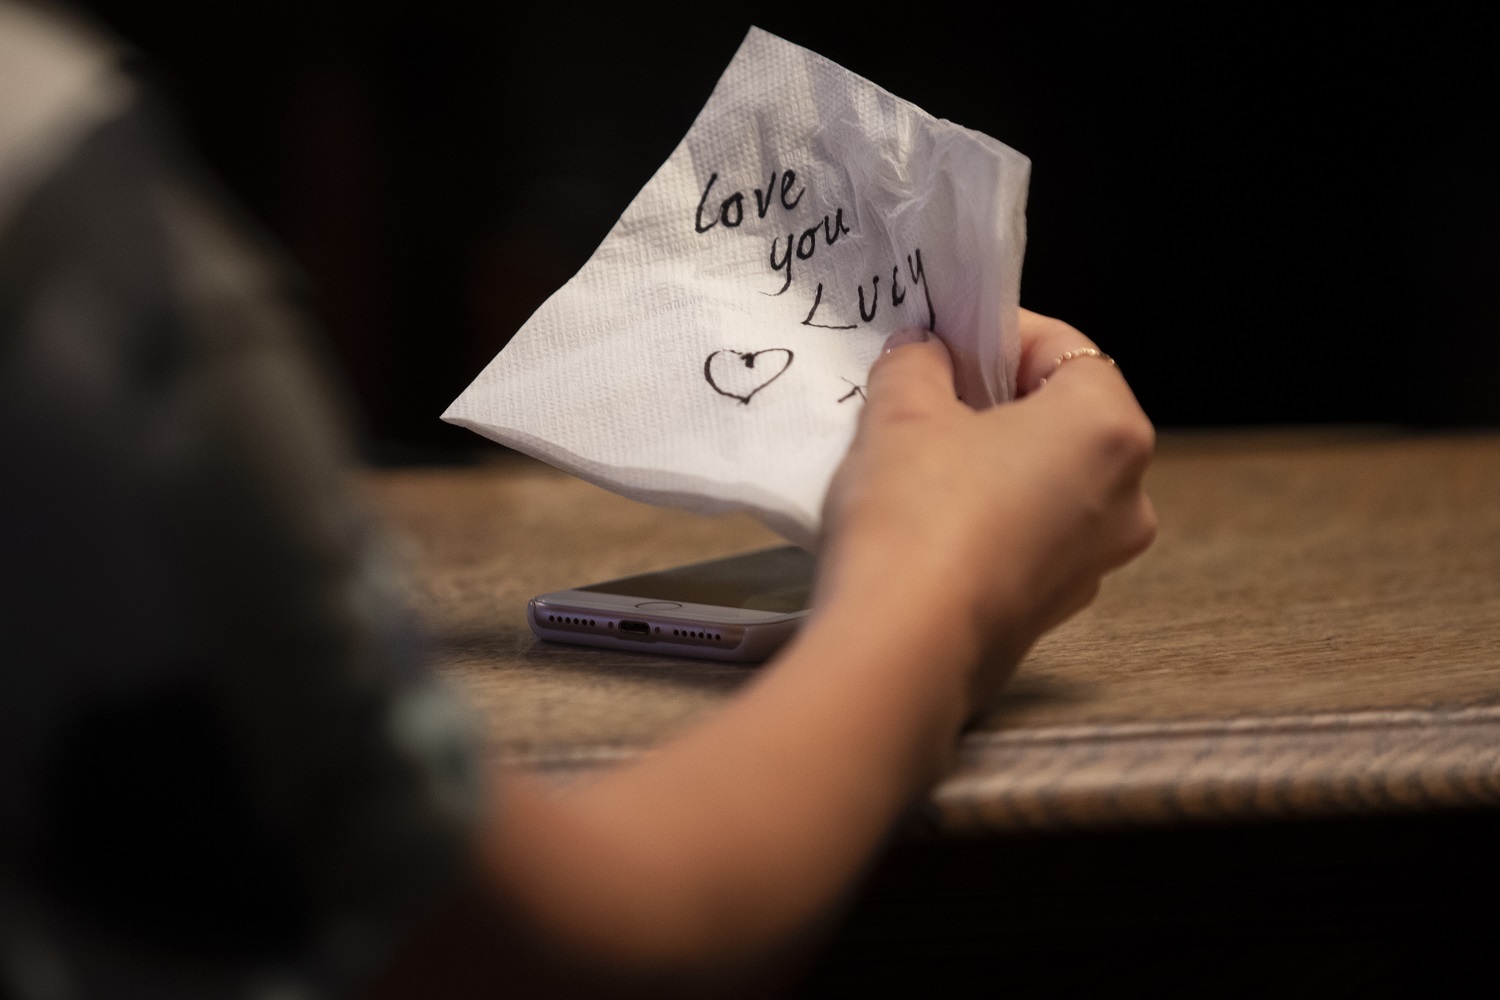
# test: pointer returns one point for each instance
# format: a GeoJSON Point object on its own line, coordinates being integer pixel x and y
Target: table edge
{"type": "Point", "coordinates": [1176, 772]}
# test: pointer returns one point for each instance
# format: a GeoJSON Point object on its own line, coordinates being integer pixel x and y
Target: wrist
{"type": "Point", "coordinates": [924, 587]}
{"type": "Point", "coordinates": [911, 621]}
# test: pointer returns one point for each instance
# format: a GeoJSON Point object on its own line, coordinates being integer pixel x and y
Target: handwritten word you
{"type": "Point", "coordinates": [807, 244]}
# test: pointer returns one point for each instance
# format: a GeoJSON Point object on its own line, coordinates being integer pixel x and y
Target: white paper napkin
{"type": "Point", "coordinates": [712, 353]}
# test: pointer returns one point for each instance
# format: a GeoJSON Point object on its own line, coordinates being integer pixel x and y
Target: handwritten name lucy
{"type": "Point", "coordinates": [783, 194]}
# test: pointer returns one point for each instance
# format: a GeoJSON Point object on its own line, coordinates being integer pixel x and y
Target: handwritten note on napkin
{"type": "Point", "coordinates": [712, 353]}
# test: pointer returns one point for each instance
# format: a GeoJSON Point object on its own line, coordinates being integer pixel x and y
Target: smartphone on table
{"type": "Point", "coordinates": [741, 609]}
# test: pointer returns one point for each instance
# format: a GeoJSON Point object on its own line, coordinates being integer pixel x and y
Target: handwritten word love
{"type": "Point", "coordinates": [732, 209]}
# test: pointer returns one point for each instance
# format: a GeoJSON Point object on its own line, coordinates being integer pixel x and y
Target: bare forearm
{"type": "Point", "coordinates": [719, 844]}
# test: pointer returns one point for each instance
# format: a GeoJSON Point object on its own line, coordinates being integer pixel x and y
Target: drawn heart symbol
{"type": "Point", "coordinates": [741, 374]}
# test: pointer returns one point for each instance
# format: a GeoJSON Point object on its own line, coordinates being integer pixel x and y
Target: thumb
{"type": "Point", "coordinates": [913, 373]}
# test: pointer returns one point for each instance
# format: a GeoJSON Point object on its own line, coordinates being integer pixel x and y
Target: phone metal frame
{"type": "Point", "coordinates": [701, 631]}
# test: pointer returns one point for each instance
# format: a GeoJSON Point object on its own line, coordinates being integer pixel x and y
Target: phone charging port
{"type": "Point", "coordinates": [635, 628]}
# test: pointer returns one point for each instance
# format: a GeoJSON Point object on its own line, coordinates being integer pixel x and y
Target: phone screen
{"type": "Point", "coordinates": [778, 580]}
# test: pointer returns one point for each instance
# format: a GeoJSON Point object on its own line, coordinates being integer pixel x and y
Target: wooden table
{"type": "Point", "coordinates": [1315, 632]}
{"type": "Point", "coordinates": [1265, 762]}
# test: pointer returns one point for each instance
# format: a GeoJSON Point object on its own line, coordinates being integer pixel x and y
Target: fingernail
{"type": "Point", "coordinates": [911, 335]}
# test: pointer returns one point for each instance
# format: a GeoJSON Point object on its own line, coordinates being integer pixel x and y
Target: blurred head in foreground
{"type": "Point", "coordinates": [220, 770]}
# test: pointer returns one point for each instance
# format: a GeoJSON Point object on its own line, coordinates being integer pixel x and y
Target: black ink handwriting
{"type": "Point", "coordinates": [730, 214]}
{"type": "Point", "coordinates": [817, 301]}
{"type": "Point", "coordinates": [855, 390]}
{"type": "Point", "coordinates": [869, 304]}
{"type": "Point", "coordinates": [735, 201]}
{"type": "Point", "coordinates": [786, 262]}
{"type": "Point", "coordinates": [723, 370]}
{"type": "Point", "coordinates": [806, 244]}
{"type": "Point", "coordinates": [732, 209]}
{"type": "Point", "coordinates": [874, 299]}
{"type": "Point", "coordinates": [763, 205]}
{"type": "Point", "coordinates": [787, 180]}
{"type": "Point", "coordinates": [838, 229]}
{"type": "Point", "coordinates": [698, 219]}
{"type": "Point", "coordinates": [917, 274]}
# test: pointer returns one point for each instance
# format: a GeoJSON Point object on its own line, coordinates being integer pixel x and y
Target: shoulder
{"type": "Point", "coordinates": [61, 81]}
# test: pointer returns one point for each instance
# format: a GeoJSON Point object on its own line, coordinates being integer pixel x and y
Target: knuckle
{"type": "Point", "coordinates": [1132, 529]}
{"type": "Point", "coordinates": [1049, 326]}
{"type": "Point", "coordinates": [1128, 438]}
{"type": "Point", "coordinates": [896, 412]}
{"type": "Point", "coordinates": [1064, 328]}
{"type": "Point", "coordinates": [886, 416]}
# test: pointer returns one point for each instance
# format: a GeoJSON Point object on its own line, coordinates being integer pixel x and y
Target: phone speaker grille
{"type": "Point", "coordinates": [576, 621]}
{"type": "Point", "coordinates": [683, 633]}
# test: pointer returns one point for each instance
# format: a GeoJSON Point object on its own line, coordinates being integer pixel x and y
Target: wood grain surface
{"type": "Point", "coordinates": [1315, 632]}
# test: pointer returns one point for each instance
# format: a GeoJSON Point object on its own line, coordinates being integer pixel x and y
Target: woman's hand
{"type": "Point", "coordinates": [1001, 522]}
{"type": "Point", "coordinates": [954, 539]}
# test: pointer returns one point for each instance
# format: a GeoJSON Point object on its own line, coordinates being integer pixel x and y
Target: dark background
{"type": "Point", "coordinates": [1266, 217]}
